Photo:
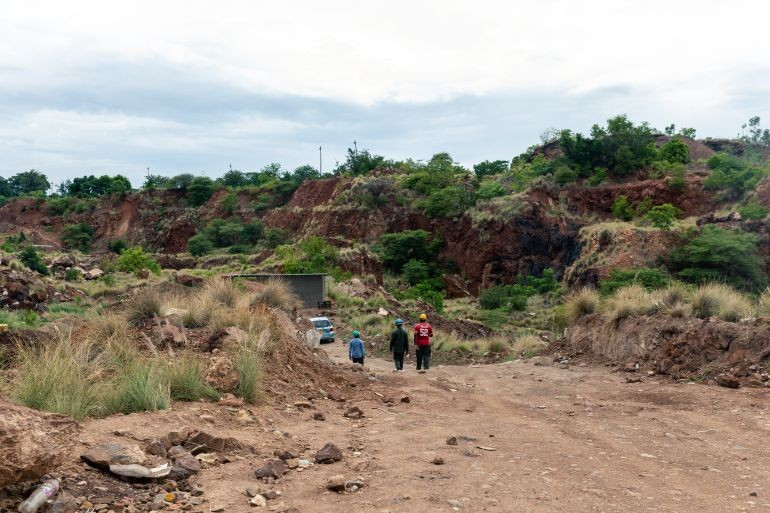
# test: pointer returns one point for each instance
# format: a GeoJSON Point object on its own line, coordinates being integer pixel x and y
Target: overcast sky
{"type": "Point", "coordinates": [94, 87]}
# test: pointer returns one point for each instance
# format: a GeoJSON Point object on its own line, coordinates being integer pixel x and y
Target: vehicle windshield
{"type": "Point", "coordinates": [322, 323]}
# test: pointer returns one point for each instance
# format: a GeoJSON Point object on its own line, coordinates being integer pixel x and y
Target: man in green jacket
{"type": "Point", "coordinates": [399, 344]}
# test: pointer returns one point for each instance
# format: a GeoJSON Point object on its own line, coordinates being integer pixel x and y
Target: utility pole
{"type": "Point", "coordinates": [231, 166]}
{"type": "Point", "coordinates": [355, 148]}
{"type": "Point", "coordinates": [320, 161]}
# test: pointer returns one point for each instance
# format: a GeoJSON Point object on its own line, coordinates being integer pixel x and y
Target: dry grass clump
{"type": "Point", "coordinates": [582, 302]}
{"type": "Point", "coordinates": [722, 301]}
{"type": "Point", "coordinates": [763, 303]}
{"type": "Point", "coordinates": [146, 304]}
{"type": "Point", "coordinates": [528, 345]}
{"type": "Point", "coordinates": [221, 291]}
{"type": "Point", "coordinates": [628, 301]}
{"type": "Point", "coordinates": [186, 376]}
{"type": "Point", "coordinates": [276, 294]}
{"type": "Point", "coordinates": [498, 344]}
{"type": "Point", "coordinates": [109, 326]}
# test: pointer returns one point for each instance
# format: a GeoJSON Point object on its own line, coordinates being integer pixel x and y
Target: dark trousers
{"type": "Point", "coordinates": [423, 357]}
{"type": "Point", "coordinates": [398, 358]}
{"type": "Point", "coordinates": [359, 360]}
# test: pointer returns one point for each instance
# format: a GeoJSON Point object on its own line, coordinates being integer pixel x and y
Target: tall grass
{"type": "Point", "coordinates": [248, 366]}
{"type": "Point", "coordinates": [139, 387]}
{"type": "Point", "coordinates": [722, 301]}
{"type": "Point", "coordinates": [59, 375]}
{"type": "Point", "coordinates": [145, 304]}
{"type": "Point", "coordinates": [582, 302]}
{"type": "Point", "coordinates": [276, 294]}
{"type": "Point", "coordinates": [528, 345]}
{"type": "Point", "coordinates": [222, 291]}
{"type": "Point", "coordinates": [186, 376]}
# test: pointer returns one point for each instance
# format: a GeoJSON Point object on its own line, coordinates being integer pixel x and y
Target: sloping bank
{"type": "Point", "coordinates": [680, 347]}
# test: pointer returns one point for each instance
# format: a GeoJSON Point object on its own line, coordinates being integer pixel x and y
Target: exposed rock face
{"type": "Point", "coordinates": [31, 443]}
{"type": "Point", "coordinates": [679, 347]}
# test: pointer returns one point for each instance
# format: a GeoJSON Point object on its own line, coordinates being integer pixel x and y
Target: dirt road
{"type": "Point", "coordinates": [530, 438]}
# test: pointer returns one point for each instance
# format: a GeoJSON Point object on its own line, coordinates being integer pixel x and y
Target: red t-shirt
{"type": "Point", "coordinates": [422, 333]}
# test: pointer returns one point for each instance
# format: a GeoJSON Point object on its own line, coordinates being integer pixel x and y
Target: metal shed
{"type": "Point", "coordinates": [310, 288]}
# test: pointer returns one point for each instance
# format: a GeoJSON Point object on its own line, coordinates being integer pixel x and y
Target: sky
{"type": "Point", "coordinates": [105, 87]}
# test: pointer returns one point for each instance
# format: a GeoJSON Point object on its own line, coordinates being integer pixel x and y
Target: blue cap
{"type": "Point", "coordinates": [399, 322]}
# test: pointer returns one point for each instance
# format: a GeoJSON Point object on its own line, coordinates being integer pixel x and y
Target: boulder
{"type": "Point", "coordinates": [336, 483]}
{"type": "Point", "coordinates": [273, 468]}
{"type": "Point", "coordinates": [31, 443]}
{"type": "Point", "coordinates": [329, 453]}
{"type": "Point", "coordinates": [208, 441]}
{"type": "Point", "coordinates": [104, 455]}
{"type": "Point", "coordinates": [354, 412]}
{"type": "Point", "coordinates": [94, 274]}
{"type": "Point", "coordinates": [728, 380]}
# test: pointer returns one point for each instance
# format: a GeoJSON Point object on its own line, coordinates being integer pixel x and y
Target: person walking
{"type": "Point", "coordinates": [399, 344]}
{"type": "Point", "coordinates": [422, 334]}
{"type": "Point", "coordinates": [356, 348]}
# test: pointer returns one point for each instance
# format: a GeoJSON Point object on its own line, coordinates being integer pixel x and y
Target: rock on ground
{"type": "Point", "coordinates": [329, 453]}
{"type": "Point", "coordinates": [31, 443]}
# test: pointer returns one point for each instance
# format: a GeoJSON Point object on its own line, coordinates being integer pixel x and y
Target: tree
{"type": "Point", "coordinates": [182, 181]}
{"type": "Point", "coordinates": [720, 255]}
{"type": "Point", "coordinates": [490, 189]}
{"type": "Point", "coordinates": [752, 133]}
{"type": "Point", "coordinates": [135, 259]}
{"type": "Point", "coordinates": [91, 186]}
{"type": "Point", "coordinates": [676, 152]}
{"type": "Point", "coordinates": [200, 190]}
{"type": "Point", "coordinates": [416, 271]}
{"type": "Point", "coordinates": [29, 182]}
{"type": "Point", "coordinates": [399, 248]}
{"type": "Point", "coordinates": [155, 182]}
{"type": "Point", "coordinates": [234, 179]}
{"type": "Point", "coordinates": [449, 202]}
{"type": "Point", "coordinates": [199, 245]}
{"type": "Point", "coordinates": [662, 216]}
{"type": "Point", "coordinates": [732, 174]}
{"type": "Point", "coordinates": [489, 168]}
{"type": "Point", "coordinates": [360, 162]}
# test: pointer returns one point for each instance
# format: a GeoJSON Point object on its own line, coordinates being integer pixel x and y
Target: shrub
{"type": "Point", "coordinates": [662, 216]}
{"type": "Point", "coordinates": [598, 177]}
{"type": "Point", "coordinates": [117, 246]}
{"type": "Point", "coordinates": [315, 255]}
{"type": "Point", "coordinates": [582, 302]}
{"type": "Point", "coordinates": [675, 151]}
{"type": "Point", "coordinates": [30, 257]}
{"type": "Point", "coordinates": [720, 255]}
{"type": "Point", "coordinates": [416, 271]}
{"type": "Point", "coordinates": [200, 190]}
{"type": "Point", "coordinates": [564, 176]}
{"type": "Point", "coordinates": [490, 189]}
{"type": "Point", "coordinates": [135, 259]}
{"type": "Point", "coordinates": [186, 376]}
{"type": "Point", "coordinates": [199, 245]}
{"type": "Point", "coordinates": [622, 209]}
{"type": "Point", "coordinates": [72, 274]}
{"type": "Point", "coordinates": [489, 168]}
{"type": "Point", "coordinates": [276, 236]}
{"type": "Point", "coordinates": [753, 211]}
{"type": "Point", "coordinates": [229, 202]}
{"type": "Point", "coordinates": [677, 181]}
{"type": "Point", "coordinates": [650, 279]}
{"type": "Point", "coordinates": [277, 294]}
{"type": "Point", "coordinates": [77, 236]}
{"type": "Point", "coordinates": [509, 297]}
{"type": "Point", "coordinates": [733, 175]}
{"type": "Point", "coordinates": [449, 202]}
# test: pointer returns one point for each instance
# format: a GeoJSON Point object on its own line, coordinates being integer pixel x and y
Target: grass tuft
{"type": "Point", "coordinates": [276, 294]}
{"type": "Point", "coordinates": [582, 302]}
{"type": "Point", "coordinates": [186, 377]}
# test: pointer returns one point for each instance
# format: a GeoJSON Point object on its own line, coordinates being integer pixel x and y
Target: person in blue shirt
{"type": "Point", "coordinates": [357, 348]}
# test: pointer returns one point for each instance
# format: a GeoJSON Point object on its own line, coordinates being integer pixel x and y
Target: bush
{"type": "Point", "coordinates": [752, 211]}
{"type": "Point", "coordinates": [276, 236]}
{"type": "Point", "coordinates": [135, 259]}
{"type": "Point", "coordinates": [229, 202]}
{"type": "Point", "coordinates": [718, 255]}
{"type": "Point", "coordinates": [77, 236]}
{"type": "Point", "coordinates": [509, 297]}
{"type": "Point", "coordinates": [199, 245]}
{"type": "Point", "coordinates": [582, 302]}
{"type": "Point", "coordinates": [677, 181]}
{"type": "Point", "coordinates": [622, 209]}
{"type": "Point", "coordinates": [30, 257]}
{"type": "Point", "coordinates": [489, 168]}
{"type": "Point", "coordinates": [396, 249]}
{"type": "Point", "coordinates": [598, 177]}
{"type": "Point", "coordinates": [733, 175]}
{"type": "Point", "coordinates": [449, 202]}
{"type": "Point", "coordinates": [662, 216]}
{"type": "Point", "coordinates": [315, 255]}
{"type": "Point", "coordinates": [200, 190]}
{"type": "Point", "coordinates": [564, 176]}
{"type": "Point", "coordinates": [650, 279]}
{"type": "Point", "coordinates": [416, 271]}
{"type": "Point", "coordinates": [72, 274]}
{"type": "Point", "coordinates": [117, 246]}
{"type": "Point", "coordinates": [490, 189]}
{"type": "Point", "coordinates": [675, 151]}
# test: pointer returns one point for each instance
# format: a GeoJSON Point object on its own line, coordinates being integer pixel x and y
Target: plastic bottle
{"type": "Point", "coordinates": [42, 493]}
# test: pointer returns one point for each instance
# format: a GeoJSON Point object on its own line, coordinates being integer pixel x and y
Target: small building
{"type": "Point", "coordinates": [309, 288]}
